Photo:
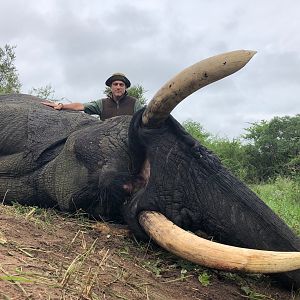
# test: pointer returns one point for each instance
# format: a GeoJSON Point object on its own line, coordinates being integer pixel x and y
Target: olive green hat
{"type": "Point", "coordinates": [118, 76]}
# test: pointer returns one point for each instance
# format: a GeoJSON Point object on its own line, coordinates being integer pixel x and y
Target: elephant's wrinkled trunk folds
{"type": "Point", "coordinates": [167, 234]}
{"type": "Point", "coordinates": [212, 254]}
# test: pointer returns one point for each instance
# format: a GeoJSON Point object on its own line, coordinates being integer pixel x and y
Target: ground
{"type": "Point", "coordinates": [45, 254]}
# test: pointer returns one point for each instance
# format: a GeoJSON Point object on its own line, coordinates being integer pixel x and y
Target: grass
{"type": "Point", "coordinates": [82, 265]}
{"type": "Point", "coordinates": [41, 217]}
{"type": "Point", "coordinates": [283, 196]}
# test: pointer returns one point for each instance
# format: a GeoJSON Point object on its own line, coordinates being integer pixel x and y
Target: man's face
{"type": "Point", "coordinates": [118, 88]}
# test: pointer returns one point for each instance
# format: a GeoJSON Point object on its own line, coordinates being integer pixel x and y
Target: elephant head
{"type": "Point", "coordinates": [188, 189]}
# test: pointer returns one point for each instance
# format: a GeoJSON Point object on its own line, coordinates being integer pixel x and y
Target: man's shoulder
{"type": "Point", "coordinates": [101, 99]}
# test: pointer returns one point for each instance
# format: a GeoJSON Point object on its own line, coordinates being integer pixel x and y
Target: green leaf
{"type": "Point", "coordinates": [14, 278]}
{"type": "Point", "coordinates": [204, 278]}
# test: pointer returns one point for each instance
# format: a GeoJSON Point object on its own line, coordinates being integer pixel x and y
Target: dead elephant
{"type": "Point", "coordinates": [148, 172]}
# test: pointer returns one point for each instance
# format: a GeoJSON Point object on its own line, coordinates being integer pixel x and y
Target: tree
{"type": "Point", "coordinates": [136, 91]}
{"type": "Point", "coordinates": [44, 92]}
{"type": "Point", "coordinates": [231, 153]}
{"type": "Point", "coordinates": [197, 131]}
{"type": "Point", "coordinates": [9, 78]}
{"type": "Point", "coordinates": [274, 147]}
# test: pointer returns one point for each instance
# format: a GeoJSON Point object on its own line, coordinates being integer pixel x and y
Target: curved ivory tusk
{"type": "Point", "coordinates": [190, 80]}
{"type": "Point", "coordinates": [212, 254]}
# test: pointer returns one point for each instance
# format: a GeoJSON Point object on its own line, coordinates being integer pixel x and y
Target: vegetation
{"type": "Point", "coordinates": [51, 255]}
{"type": "Point", "coordinates": [138, 92]}
{"type": "Point", "coordinates": [9, 78]}
{"type": "Point", "coordinates": [268, 150]}
{"type": "Point", "coordinates": [283, 196]}
{"type": "Point", "coordinates": [45, 92]}
{"type": "Point", "coordinates": [274, 148]}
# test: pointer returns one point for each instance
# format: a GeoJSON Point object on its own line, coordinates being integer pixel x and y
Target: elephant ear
{"type": "Point", "coordinates": [48, 130]}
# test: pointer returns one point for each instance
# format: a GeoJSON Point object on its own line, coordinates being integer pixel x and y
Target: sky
{"type": "Point", "coordinates": [75, 45]}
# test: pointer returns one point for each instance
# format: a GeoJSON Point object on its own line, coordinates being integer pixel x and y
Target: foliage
{"type": "Point", "coordinates": [197, 131]}
{"type": "Point", "coordinates": [270, 149]}
{"type": "Point", "coordinates": [204, 278]}
{"type": "Point", "coordinates": [136, 91]}
{"type": "Point", "coordinates": [252, 295]}
{"type": "Point", "coordinates": [274, 148]}
{"type": "Point", "coordinates": [45, 92]}
{"type": "Point", "coordinates": [231, 153]}
{"type": "Point", "coordinates": [9, 78]}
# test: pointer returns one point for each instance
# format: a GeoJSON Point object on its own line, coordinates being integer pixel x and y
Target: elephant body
{"type": "Point", "coordinates": [74, 161]}
{"type": "Point", "coordinates": [48, 158]}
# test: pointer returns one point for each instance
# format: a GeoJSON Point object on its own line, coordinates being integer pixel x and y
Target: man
{"type": "Point", "coordinates": [117, 103]}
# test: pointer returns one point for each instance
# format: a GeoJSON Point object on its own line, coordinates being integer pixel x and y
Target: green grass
{"type": "Point", "coordinates": [283, 196]}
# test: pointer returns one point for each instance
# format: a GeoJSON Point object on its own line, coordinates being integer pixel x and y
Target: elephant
{"type": "Point", "coordinates": [146, 171]}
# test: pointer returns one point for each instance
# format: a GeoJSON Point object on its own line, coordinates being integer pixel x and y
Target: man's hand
{"type": "Point", "coordinates": [57, 106]}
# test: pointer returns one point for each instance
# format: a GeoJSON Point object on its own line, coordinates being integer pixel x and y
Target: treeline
{"type": "Point", "coordinates": [268, 150]}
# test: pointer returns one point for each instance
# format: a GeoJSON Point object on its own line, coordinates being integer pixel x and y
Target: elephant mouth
{"type": "Point", "coordinates": [214, 255]}
{"type": "Point", "coordinates": [162, 230]}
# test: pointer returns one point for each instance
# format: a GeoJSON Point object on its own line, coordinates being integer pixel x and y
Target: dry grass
{"type": "Point", "coordinates": [48, 255]}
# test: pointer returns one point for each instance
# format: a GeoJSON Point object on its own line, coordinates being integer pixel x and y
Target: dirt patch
{"type": "Point", "coordinates": [47, 255]}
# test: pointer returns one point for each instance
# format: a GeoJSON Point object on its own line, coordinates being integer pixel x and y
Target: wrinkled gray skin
{"type": "Point", "coordinates": [72, 160]}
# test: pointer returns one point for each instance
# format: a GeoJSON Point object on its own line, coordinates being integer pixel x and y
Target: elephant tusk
{"type": "Point", "coordinates": [190, 80]}
{"type": "Point", "coordinates": [212, 254]}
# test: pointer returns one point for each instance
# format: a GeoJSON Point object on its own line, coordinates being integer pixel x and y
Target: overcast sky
{"type": "Point", "coordinates": [76, 45]}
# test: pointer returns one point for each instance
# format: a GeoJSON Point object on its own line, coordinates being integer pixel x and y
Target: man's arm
{"type": "Point", "coordinates": [61, 106]}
